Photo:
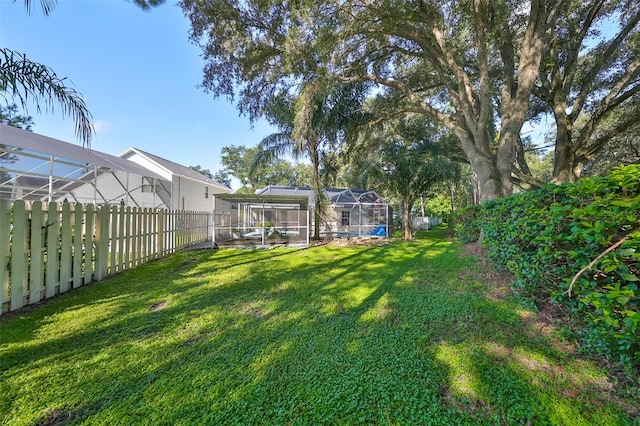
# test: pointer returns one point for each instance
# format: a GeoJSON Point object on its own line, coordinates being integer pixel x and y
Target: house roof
{"type": "Point", "coordinates": [13, 137]}
{"type": "Point", "coordinates": [285, 190]}
{"type": "Point", "coordinates": [175, 168]}
{"type": "Point", "coordinates": [289, 199]}
{"type": "Point", "coordinates": [334, 195]}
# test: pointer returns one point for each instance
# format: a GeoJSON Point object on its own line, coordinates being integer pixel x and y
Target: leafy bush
{"type": "Point", "coordinates": [546, 237]}
{"type": "Point", "coordinates": [465, 224]}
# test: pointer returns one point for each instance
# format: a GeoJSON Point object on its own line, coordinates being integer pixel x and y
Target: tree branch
{"type": "Point", "coordinates": [593, 262]}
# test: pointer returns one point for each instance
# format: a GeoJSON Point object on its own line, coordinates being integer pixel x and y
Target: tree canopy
{"type": "Point", "coordinates": [474, 66]}
{"type": "Point", "coordinates": [10, 116]}
{"type": "Point", "coordinates": [239, 162]}
{"type": "Point", "coordinates": [590, 81]}
{"type": "Point", "coordinates": [408, 162]}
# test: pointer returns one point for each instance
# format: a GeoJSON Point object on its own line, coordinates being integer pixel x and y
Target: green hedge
{"type": "Point", "coordinates": [546, 237]}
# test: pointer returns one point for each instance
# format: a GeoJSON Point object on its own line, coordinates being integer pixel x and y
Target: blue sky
{"type": "Point", "coordinates": [138, 73]}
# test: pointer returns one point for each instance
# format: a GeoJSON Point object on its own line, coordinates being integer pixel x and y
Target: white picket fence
{"type": "Point", "coordinates": [424, 222]}
{"type": "Point", "coordinates": [48, 249]}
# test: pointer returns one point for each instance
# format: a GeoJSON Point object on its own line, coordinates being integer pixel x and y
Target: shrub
{"type": "Point", "coordinates": [466, 224]}
{"type": "Point", "coordinates": [546, 237]}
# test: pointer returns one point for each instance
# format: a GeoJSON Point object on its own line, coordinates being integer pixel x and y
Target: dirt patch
{"type": "Point", "coordinates": [54, 417]}
{"type": "Point", "coordinates": [354, 242]}
{"type": "Point", "coordinates": [158, 306]}
{"type": "Point", "coordinates": [63, 416]}
{"type": "Point", "coordinates": [184, 265]}
{"type": "Point", "coordinates": [545, 321]}
{"type": "Point", "coordinates": [499, 282]}
{"type": "Point", "coordinates": [255, 310]}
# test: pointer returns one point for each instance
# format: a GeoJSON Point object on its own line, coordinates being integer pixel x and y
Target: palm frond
{"type": "Point", "coordinates": [147, 4]}
{"type": "Point", "coordinates": [47, 6]}
{"type": "Point", "coordinates": [28, 81]}
{"type": "Point", "coordinates": [271, 147]}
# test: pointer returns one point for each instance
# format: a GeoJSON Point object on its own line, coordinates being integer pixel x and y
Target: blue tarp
{"type": "Point", "coordinates": [379, 231]}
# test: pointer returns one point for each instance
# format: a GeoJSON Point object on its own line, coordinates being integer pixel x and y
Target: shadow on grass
{"type": "Point", "coordinates": [325, 335]}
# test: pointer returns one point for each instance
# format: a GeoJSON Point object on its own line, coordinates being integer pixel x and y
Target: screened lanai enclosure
{"type": "Point", "coordinates": [348, 213]}
{"type": "Point", "coordinates": [357, 212]}
{"type": "Point", "coordinates": [250, 220]}
{"type": "Point", "coordinates": [38, 168]}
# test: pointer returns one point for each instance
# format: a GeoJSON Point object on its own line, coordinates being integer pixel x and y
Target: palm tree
{"type": "Point", "coordinates": [48, 5]}
{"type": "Point", "coordinates": [410, 172]}
{"type": "Point", "coordinates": [405, 161]}
{"type": "Point", "coordinates": [312, 124]}
{"type": "Point", "coordinates": [25, 80]}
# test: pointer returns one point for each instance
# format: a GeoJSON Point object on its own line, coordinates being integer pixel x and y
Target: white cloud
{"type": "Point", "coordinates": [100, 126]}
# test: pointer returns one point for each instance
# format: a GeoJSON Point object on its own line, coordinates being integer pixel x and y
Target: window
{"type": "Point", "coordinates": [346, 217]}
{"type": "Point", "coordinates": [376, 216]}
{"type": "Point", "coordinates": [206, 192]}
{"type": "Point", "coordinates": [147, 184]}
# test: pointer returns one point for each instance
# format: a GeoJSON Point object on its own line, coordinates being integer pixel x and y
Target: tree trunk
{"type": "Point", "coordinates": [564, 161]}
{"type": "Point", "coordinates": [406, 217]}
{"type": "Point", "coordinates": [317, 192]}
{"type": "Point", "coordinates": [488, 175]}
{"type": "Point", "coordinates": [452, 195]}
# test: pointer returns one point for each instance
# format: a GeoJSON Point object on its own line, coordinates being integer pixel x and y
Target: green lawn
{"type": "Point", "coordinates": [396, 334]}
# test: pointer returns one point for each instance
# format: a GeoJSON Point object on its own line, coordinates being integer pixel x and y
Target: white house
{"type": "Point", "coordinates": [36, 167]}
{"type": "Point", "coordinates": [180, 187]}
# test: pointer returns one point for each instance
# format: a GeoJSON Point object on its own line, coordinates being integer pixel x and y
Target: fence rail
{"type": "Point", "coordinates": [47, 249]}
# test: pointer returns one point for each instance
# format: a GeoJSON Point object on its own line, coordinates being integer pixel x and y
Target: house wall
{"type": "Point", "coordinates": [184, 193]}
{"type": "Point", "coordinates": [188, 194]}
{"type": "Point", "coordinates": [112, 189]}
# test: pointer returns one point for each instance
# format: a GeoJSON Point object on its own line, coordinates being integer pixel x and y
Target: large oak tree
{"type": "Point", "coordinates": [471, 65]}
{"type": "Point", "coordinates": [466, 64]}
{"type": "Point", "coordinates": [590, 81]}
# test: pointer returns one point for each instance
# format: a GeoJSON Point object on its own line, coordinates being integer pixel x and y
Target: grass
{"type": "Point", "coordinates": [396, 334]}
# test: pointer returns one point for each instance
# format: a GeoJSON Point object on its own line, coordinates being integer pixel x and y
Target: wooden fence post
{"type": "Point", "coordinates": [127, 236]}
{"type": "Point", "coordinates": [161, 229]}
{"type": "Point", "coordinates": [140, 253]}
{"type": "Point", "coordinates": [170, 231]}
{"type": "Point", "coordinates": [113, 241]}
{"type": "Point", "coordinates": [153, 241]}
{"type": "Point", "coordinates": [89, 264]}
{"type": "Point", "coordinates": [78, 253]}
{"type": "Point", "coordinates": [148, 248]}
{"type": "Point", "coordinates": [134, 237]}
{"type": "Point", "coordinates": [65, 248]}
{"type": "Point", "coordinates": [19, 256]}
{"type": "Point", "coordinates": [121, 238]}
{"type": "Point", "coordinates": [36, 286]}
{"type": "Point", "coordinates": [102, 242]}
{"type": "Point", "coordinates": [5, 232]}
{"type": "Point", "coordinates": [53, 255]}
